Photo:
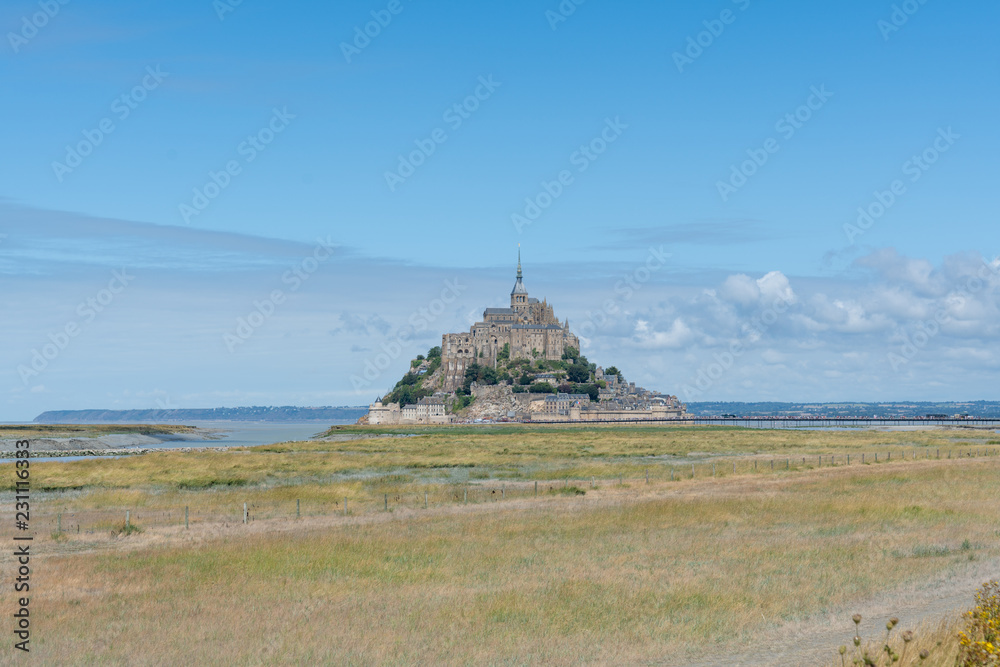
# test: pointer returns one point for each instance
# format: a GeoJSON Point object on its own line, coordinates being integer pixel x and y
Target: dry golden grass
{"type": "Point", "coordinates": [633, 575]}
{"type": "Point", "coordinates": [442, 463]}
{"type": "Point", "coordinates": [509, 452]}
{"type": "Point", "coordinates": [938, 637]}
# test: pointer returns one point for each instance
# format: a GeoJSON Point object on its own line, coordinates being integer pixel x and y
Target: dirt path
{"type": "Point", "coordinates": [815, 641]}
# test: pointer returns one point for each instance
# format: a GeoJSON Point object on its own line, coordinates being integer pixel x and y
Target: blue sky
{"type": "Point", "coordinates": [258, 106]}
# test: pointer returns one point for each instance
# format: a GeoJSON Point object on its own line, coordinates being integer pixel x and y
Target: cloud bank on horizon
{"type": "Point", "coordinates": [232, 203]}
{"type": "Point", "coordinates": [174, 317]}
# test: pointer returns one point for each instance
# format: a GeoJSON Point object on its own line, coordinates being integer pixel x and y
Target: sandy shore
{"type": "Point", "coordinates": [110, 443]}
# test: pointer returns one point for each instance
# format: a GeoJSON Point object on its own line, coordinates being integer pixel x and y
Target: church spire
{"type": "Point", "coordinates": [519, 289]}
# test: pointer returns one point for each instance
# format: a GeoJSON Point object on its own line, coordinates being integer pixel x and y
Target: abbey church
{"type": "Point", "coordinates": [528, 330]}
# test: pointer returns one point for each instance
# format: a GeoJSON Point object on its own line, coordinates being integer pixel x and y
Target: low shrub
{"type": "Point", "coordinates": [979, 642]}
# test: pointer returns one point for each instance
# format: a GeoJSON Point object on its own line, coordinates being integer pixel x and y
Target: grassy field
{"type": "Point", "coordinates": [619, 575]}
{"type": "Point", "coordinates": [448, 463]}
{"type": "Point", "coordinates": [660, 572]}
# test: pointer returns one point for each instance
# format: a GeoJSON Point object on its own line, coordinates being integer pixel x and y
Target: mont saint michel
{"type": "Point", "coordinates": [519, 363]}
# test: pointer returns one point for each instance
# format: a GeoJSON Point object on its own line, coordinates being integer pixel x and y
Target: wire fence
{"type": "Point", "coordinates": [117, 520]}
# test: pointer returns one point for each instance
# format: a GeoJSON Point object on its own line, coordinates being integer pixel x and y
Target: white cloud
{"type": "Point", "coordinates": [775, 286]}
{"type": "Point", "coordinates": [677, 336]}
{"type": "Point", "coordinates": [741, 289]}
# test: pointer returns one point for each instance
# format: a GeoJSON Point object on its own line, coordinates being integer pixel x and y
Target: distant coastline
{"type": "Point", "coordinates": [883, 410]}
{"type": "Point", "coordinates": [342, 414]}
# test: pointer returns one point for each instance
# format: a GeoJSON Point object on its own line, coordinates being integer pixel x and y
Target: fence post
{"type": "Point", "coordinates": [244, 513]}
{"type": "Point", "coordinates": [713, 468]}
{"type": "Point", "coordinates": [425, 500]}
{"type": "Point", "coordinates": [772, 464]}
{"type": "Point", "coordinates": [298, 508]}
{"type": "Point", "coordinates": [185, 517]}
{"type": "Point", "coordinates": [788, 464]}
{"type": "Point", "coordinates": [536, 488]}
{"type": "Point", "coordinates": [503, 495]}
{"type": "Point", "coordinates": [345, 505]}
{"type": "Point", "coordinates": [59, 519]}
{"type": "Point", "coordinates": [862, 457]}
{"type": "Point", "coordinates": [671, 474]}
{"type": "Point", "coordinates": [128, 520]}
{"type": "Point", "coordinates": [848, 459]}
{"type": "Point", "coordinates": [755, 465]}
{"type": "Point", "coordinates": [692, 471]}
{"type": "Point", "coordinates": [647, 475]}
{"type": "Point", "coordinates": [466, 499]}
{"type": "Point", "coordinates": [385, 500]}
{"type": "Point", "coordinates": [734, 467]}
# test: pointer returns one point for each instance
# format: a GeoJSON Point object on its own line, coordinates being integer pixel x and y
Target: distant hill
{"type": "Point", "coordinates": [247, 414]}
{"type": "Point", "coordinates": [986, 409]}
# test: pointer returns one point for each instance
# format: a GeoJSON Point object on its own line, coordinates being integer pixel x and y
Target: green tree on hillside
{"type": "Point", "coordinates": [471, 375]}
{"type": "Point", "coordinates": [578, 372]}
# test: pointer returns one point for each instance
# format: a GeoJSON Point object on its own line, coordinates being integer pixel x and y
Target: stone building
{"type": "Point", "coordinates": [529, 329]}
{"type": "Point", "coordinates": [379, 413]}
{"type": "Point", "coordinates": [560, 404]}
{"type": "Point", "coordinates": [428, 410]}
